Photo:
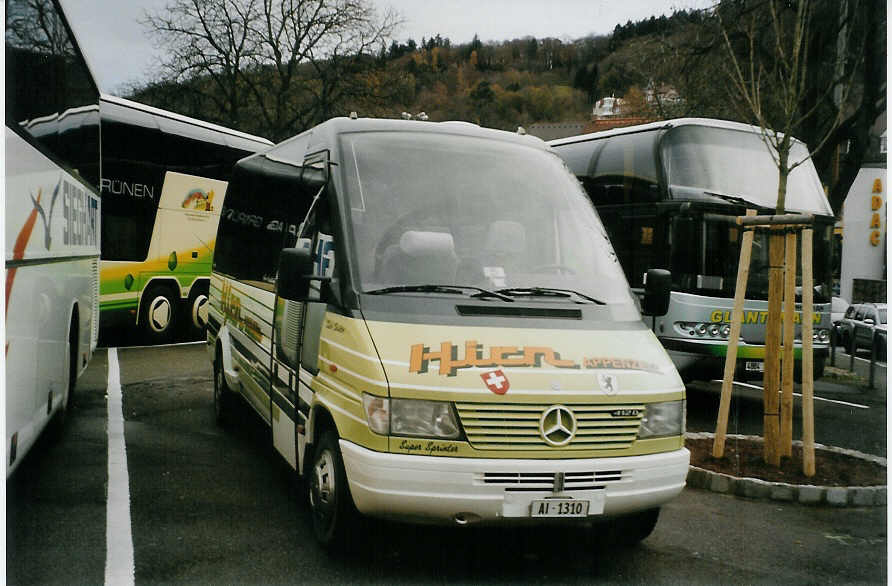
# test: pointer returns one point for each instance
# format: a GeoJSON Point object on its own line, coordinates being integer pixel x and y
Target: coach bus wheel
{"type": "Point", "coordinates": [58, 420]}
{"type": "Point", "coordinates": [158, 314]}
{"type": "Point", "coordinates": [223, 397]}
{"type": "Point", "coordinates": [198, 312]}
{"type": "Point", "coordinates": [330, 502]}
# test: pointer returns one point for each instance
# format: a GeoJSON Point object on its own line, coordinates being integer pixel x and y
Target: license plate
{"type": "Point", "coordinates": [559, 508]}
{"type": "Point", "coordinates": [755, 366]}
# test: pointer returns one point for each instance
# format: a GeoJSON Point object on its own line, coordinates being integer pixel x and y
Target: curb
{"type": "Point", "coordinates": [807, 494]}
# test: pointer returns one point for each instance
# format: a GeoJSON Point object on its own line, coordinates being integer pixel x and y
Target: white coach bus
{"type": "Point", "coordinates": [52, 224]}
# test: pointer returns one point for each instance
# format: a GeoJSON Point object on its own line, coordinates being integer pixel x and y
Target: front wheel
{"type": "Point", "coordinates": [631, 529]}
{"type": "Point", "coordinates": [223, 397]}
{"type": "Point", "coordinates": [334, 514]}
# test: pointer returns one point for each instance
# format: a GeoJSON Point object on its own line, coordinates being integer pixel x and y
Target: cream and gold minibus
{"type": "Point", "coordinates": [432, 321]}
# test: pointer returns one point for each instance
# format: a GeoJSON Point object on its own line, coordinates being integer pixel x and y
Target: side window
{"type": "Point", "coordinates": [260, 216]}
{"type": "Point", "coordinates": [859, 313]}
{"type": "Point", "coordinates": [318, 234]}
{"type": "Point", "coordinates": [625, 171]}
{"type": "Point", "coordinates": [50, 92]}
{"type": "Point", "coordinates": [850, 312]}
{"type": "Point", "coordinates": [634, 235]}
{"type": "Point", "coordinates": [578, 156]}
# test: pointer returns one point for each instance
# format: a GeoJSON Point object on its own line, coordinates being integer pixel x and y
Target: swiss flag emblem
{"type": "Point", "coordinates": [496, 381]}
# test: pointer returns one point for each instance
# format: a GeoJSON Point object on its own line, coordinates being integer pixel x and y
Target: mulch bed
{"type": "Point", "coordinates": [744, 458]}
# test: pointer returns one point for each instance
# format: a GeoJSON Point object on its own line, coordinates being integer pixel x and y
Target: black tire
{"type": "Point", "coordinates": [58, 421]}
{"type": "Point", "coordinates": [331, 506]}
{"type": "Point", "coordinates": [629, 530]}
{"type": "Point", "coordinates": [198, 298]}
{"type": "Point", "coordinates": [224, 398]}
{"type": "Point", "coordinates": [158, 314]}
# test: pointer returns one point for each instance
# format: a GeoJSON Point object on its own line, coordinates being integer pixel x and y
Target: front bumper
{"type": "Point", "coordinates": [436, 489]}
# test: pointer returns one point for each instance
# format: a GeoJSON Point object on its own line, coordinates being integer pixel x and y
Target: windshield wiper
{"type": "Point", "coordinates": [448, 289]}
{"type": "Point", "coordinates": [546, 292]}
{"type": "Point", "coordinates": [730, 198]}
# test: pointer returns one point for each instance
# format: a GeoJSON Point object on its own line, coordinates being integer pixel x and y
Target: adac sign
{"type": "Point", "coordinates": [876, 204]}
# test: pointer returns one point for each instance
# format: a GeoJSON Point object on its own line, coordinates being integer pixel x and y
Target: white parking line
{"type": "Point", "coordinates": [817, 398]}
{"type": "Point", "coordinates": [118, 537]}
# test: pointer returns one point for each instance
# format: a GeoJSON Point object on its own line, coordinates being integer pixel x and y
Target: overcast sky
{"type": "Point", "coordinates": [120, 53]}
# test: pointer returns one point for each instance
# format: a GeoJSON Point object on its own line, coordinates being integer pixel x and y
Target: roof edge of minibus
{"type": "Point", "coordinates": [345, 124]}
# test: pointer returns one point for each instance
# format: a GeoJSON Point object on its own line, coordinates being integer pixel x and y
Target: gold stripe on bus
{"type": "Point", "coordinates": [340, 368]}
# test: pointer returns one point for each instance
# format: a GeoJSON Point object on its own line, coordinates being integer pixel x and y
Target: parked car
{"type": "Point", "coordinates": [838, 308]}
{"type": "Point", "coordinates": [861, 323]}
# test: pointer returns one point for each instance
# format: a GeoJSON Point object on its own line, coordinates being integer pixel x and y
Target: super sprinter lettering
{"type": "Point", "coordinates": [450, 363]}
{"type": "Point", "coordinates": [81, 214]}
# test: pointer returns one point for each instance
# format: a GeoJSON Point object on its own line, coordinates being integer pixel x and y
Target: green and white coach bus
{"type": "Point", "coordinates": [162, 177]}
{"type": "Point", "coordinates": [656, 186]}
{"type": "Point", "coordinates": [163, 183]}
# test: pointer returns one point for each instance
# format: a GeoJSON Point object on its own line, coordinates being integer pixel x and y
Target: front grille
{"type": "Point", "coordinates": [546, 480]}
{"type": "Point", "coordinates": [497, 426]}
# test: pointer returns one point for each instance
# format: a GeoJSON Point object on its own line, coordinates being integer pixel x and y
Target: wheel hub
{"type": "Point", "coordinates": [159, 314]}
{"type": "Point", "coordinates": [322, 487]}
{"type": "Point", "coordinates": [200, 311]}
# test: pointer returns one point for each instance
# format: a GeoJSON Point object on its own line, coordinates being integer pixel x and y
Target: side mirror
{"type": "Point", "coordinates": [656, 292]}
{"type": "Point", "coordinates": [295, 268]}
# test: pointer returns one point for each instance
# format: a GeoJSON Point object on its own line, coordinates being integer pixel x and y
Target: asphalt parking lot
{"type": "Point", "coordinates": [210, 505]}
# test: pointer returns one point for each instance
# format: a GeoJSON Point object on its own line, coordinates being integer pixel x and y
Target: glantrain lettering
{"type": "Point", "coordinates": [755, 317]}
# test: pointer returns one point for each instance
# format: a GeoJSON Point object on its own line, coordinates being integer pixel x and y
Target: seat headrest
{"type": "Point", "coordinates": [416, 243]}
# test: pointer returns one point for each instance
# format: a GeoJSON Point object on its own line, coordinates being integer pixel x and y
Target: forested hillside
{"type": "Point", "coordinates": [282, 72]}
{"type": "Point", "coordinates": [496, 84]}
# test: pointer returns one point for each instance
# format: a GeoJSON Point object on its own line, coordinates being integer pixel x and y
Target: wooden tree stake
{"type": "Point", "coordinates": [808, 383]}
{"type": "Point", "coordinates": [771, 393]}
{"type": "Point", "coordinates": [743, 272]}
{"type": "Point", "coordinates": [786, 423]}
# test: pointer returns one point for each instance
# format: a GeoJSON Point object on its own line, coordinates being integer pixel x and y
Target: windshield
{"type": "Point", "coordinates": [738, 164]}
{"type": "Point", "coordinates": [704, 257]}
{"type": "Point", "coordinates": [455, 210]}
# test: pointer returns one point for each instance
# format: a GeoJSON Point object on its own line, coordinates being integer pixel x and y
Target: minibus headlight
{"type": "Point", "coordinates": [663, 419]}
{"type": "Point", "coordinates": [410, 417]}
{"type": "Point", "coordinates": [416, 418]}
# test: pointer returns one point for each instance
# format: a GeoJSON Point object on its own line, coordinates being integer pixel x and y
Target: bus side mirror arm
{"type": "Point", "coordinates": [656, 292]}
{"type": "Point", "coordinates": [293, 281]}
{"type": "Point", "coordinates": [295, 275]}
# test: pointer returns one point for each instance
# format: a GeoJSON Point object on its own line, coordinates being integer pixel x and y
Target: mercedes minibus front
{"type": "Point", "coordinates": [462, 343]}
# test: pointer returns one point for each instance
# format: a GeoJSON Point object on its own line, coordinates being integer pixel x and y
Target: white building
{"type": "Point", "coordinates": [864, 232]}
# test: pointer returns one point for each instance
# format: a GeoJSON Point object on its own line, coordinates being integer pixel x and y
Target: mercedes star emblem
{"type": "Point", "coordinates": [557, 425]}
